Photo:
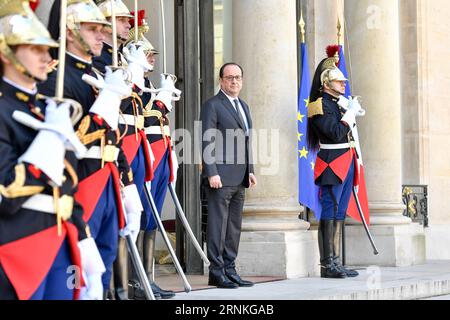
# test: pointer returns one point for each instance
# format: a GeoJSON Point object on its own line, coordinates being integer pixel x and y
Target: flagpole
{"type": "Point", "coordinates": [302, 25]}
{"type": "Point", "coordinates": [339, 29]}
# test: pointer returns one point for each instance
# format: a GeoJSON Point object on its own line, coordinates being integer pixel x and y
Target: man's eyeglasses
{"type": "Point", "coordinates": [231, 78]}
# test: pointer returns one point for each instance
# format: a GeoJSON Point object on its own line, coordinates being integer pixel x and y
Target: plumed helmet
{"type": "Point", "coordinates": [20, 26]}
{"type": "Point", "coordinates": [330, 71]}
{"type": "Point", "coordinates": [121, 8]}
{"type": "Point", "coordinates": [143, 28]}
{"type": "Point", "coordinates": [83, 11]}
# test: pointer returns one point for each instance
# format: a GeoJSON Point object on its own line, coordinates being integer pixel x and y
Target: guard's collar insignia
{"type": "Point", "coordinates": [80, 65]}
{"type": "Point", "coordinates": [22, 96]}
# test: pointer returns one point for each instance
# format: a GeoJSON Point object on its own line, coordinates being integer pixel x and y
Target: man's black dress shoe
{"type": "Point", "coordinates": [222, 282]}
{"type": "Point", "coordinates": [237, 280]}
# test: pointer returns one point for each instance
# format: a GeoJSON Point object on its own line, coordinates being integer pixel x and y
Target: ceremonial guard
{"type": "Point", "coordinates": [131, 121]}
{"type": "Point", "coordinates": [42, 232]}
{"type": "Point", "coordinates": [331, 117]}
{"type": "Point", "coordinates": [107, 191]}
{"type": "Point", "coordinates": [147, 96]}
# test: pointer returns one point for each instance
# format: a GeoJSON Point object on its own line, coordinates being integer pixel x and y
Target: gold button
{"type": "Point", "coordinates": [109, 142]}
{"type": "Point", "coordinates": [37, 109]}
{"type": "Point", "coordinates": [64, 179]}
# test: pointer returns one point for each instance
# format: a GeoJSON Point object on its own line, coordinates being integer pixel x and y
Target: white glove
{"type": "Point", "coordinates": [113, 89]}
{"type": "Point", "coordinates": [93, 268]}
{"type": "Point", "coordinates": [168, 93]}
{"type": "Point", "coordinates": [345, 103]}
{"type": "Point", "coordinates": [137, 64]}
{"type": "Point", "coordinates": [354, 108]}
{"type": "Point", "coordinates": [47, 152]}
{"type": "Point", "coordinates": [174, 167]}
{"type": "Point", "coordinates": [133, 208]}
{"type": "Point", "coordinates": [57, 119]}
{"type": "Point", "coordinates": [48, 149]}
{"type": "Point", "coordinates": [135, 54]}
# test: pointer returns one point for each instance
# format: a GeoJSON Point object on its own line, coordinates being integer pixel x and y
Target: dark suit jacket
{"type": "Point", "coordinates": [226, 148]}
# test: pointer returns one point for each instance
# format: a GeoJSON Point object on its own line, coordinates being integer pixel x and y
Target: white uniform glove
{"type": "Point", "coordinates": [168, 93]}
{"type": "Point", "coordinates": [137, 64]}
{"type": "Point", "coordinates": [113, 89]}
{"type": "Point", "coordinates": [174, 167]}
{"type": "Point", "coordinates": [133, 208]}
{"type": "Point", "coordinates": [47, 152]}
{"type": "Point", "coordinates": [57, 119]}
{"type": "Point", "coordinates": [345, 103]}
{"type": "Point", "coordinates": [354, 109]}
{"type": "Point", "coordinates": [56, 134]}
{"type": "Point", "coordinates": [93, 268]}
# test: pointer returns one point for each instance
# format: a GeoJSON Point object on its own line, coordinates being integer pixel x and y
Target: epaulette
{"type": "Point", "coordinates": [315, 108]}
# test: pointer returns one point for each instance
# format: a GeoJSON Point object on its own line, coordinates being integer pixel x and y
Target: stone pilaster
{"type": "Point", "coordinates": [374, 42]}
{"type": "Point", "coordinates": [274, 241]}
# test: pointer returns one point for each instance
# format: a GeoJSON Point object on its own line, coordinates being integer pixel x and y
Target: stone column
{"type": "Point", "coordinates": [374, 42]}
{"type": "Point", "coordinates": [274, 241]}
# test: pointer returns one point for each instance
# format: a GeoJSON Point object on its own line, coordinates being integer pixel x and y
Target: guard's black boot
{"type": "Point", "coordinates": [337, 244]}
{"type": "Point", "coordinates": [147, 240]}
{"type": "Point", "coordinates": [320, 240]}
{"type": "Point", "coordinates": [329, 268]}
{"type": "Point", "coordinates": [108, 294]}
{"type": "Point", "coordinates": [149, 249]}
{"type": "Point", "coordinates": [120, 271]}
{"type": "Point", "coordinates": [135, 291]}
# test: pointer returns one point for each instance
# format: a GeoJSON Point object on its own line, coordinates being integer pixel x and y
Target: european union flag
{"type": "Point", "coordinates": [308, 192]}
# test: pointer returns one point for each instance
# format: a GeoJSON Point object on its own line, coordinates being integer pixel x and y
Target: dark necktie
{"type": "Point", "coordinates": [241, 119]}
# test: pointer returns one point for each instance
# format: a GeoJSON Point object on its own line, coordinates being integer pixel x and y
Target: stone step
{"type": "Point", "coordinates": [374, 283]}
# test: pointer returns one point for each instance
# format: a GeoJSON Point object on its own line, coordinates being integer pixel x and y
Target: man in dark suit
{"type": "Point", "coordinates": [227, 165]}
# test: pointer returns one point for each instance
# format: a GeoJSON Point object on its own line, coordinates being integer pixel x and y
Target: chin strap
{"type": "Point", "coordinates": [83, 43]}
{"type": "Point", "coordinates": [18, 65]}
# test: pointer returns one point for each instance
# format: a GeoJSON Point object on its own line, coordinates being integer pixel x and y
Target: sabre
{"type": "Point", "coordinates": [363, 219]}
{"type": "Point", "coordinates": [163, 21]}
{"type": "Point", "coordinates": [115, 54]}
{"type": "Point", "coordinates": [136, 21]}
{"type": "Point", "coordinates": [62, 52]}
{"type": "Point", "coordinates": [77, 112]}
{"type": "Point", "coordinates": [186, 225]}
{"type": "Point", "coordinates": [148, 195]}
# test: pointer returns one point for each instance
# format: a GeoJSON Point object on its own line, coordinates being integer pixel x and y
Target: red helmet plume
{"type": "Point", "coordinates": [34, 4]}
{"type": "Point", "coordinates": [332, 50]}
{"type": "Point", "coordinates": [141, 17]}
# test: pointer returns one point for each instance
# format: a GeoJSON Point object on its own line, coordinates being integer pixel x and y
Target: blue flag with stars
{"type": "Point", "coordinates": [308, 192]}
{"type": "Point", "coordinates": [343, 68]}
